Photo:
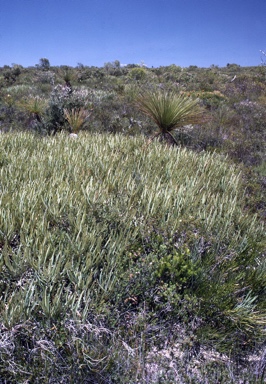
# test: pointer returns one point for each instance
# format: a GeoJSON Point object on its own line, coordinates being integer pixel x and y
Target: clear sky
{"type": "Point", "coordinates": [156, 32]}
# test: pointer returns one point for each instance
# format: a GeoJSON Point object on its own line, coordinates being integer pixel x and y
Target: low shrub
{"type": "Point", "coordinates": [108, 246]}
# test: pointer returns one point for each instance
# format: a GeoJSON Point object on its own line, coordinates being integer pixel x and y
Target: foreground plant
{"type": "Point", "coordinates": [169, 111]}
{"type": "Point", "coordinates": [111, 256]}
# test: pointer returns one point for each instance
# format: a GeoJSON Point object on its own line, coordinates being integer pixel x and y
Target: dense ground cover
{"type": "Point", "coordinates": [48, 99]}
{"type": "Point", "coordinates": [122, 262]}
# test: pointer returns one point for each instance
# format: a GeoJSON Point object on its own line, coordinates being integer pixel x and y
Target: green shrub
{"type": "Point", "coordinates": [138, 73]}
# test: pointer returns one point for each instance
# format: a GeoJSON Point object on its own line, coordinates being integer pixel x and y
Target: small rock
{"type": "Point", "coordinates": [73, 135]}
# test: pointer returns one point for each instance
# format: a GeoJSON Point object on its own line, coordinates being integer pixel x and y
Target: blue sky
{"type": "Point", "coordinates": [156, 32]}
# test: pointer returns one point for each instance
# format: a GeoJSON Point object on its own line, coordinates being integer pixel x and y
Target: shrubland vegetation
{"type": "Point", "coordinates": [124, 259]}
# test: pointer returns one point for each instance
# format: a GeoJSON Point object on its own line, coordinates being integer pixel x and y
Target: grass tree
{"type": "Point", "coordinates": [35, 106]}
{"type": "Point", "coordinates": [76, 118]}
{"type": "Point", "coordinates": [169, 111]}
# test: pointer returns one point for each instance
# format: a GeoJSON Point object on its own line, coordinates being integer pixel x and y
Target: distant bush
{"type": "Point", "coordinates": [138, 73]}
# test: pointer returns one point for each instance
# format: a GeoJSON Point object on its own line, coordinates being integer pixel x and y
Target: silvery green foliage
{"type": "Point", "coordinates": [64, 97]}
{"type": "Point", "coordinates": [60, 94]}
{"type": "Point", "coordinates": [21, 90]}
{"type": "Point", "coordinates": [82, 221]}
{"type": "Point", "coordinates": [46, 77]}
{"type": "Point", "coordinates": [98, 96]}
{"type": "Point", "coordinates": [80, 98]}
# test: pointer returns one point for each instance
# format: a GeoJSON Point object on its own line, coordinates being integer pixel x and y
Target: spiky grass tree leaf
{"type": "Point", "coordinates": [245, 314]}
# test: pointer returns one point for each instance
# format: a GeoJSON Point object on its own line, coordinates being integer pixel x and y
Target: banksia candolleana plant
{"type": "Point", "coordinates": [169, 111]}
{"type": "Point", "coordinates": [76, 118]}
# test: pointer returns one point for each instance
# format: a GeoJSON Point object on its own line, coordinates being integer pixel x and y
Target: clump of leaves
{"type": "Point", "coordinates": [35, 106]}
{"type": "Point", "coordinates": [76, 118]}
{"type": "Point", "coordinates": [169, 111]}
